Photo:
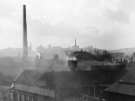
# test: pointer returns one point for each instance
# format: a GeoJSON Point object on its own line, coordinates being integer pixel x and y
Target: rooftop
{"type": "Point", "coordinates": [126, 85]}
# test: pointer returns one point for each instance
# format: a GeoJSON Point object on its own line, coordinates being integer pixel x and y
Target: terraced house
{"type": "Point", "coordinates": [33, 85]}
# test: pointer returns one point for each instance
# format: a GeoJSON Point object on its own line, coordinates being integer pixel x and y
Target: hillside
{"type": "Point", "coordinates": [15, 52]}
{"type": "Point", "coordinates": [127, 51]}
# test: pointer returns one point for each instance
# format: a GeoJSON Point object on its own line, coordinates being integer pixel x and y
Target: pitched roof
{"type": "Point", "coordinates": [29, 81]}
{"type": "Point", "coordinates": [66, 78]}
{"type": "Point", "coordinates": [63, 79]}
{"type": "Point", "coordinates": [125, 89]}
{"type": "Point", "coordinates": [71, 79]}
{"type": "Point", "coordinates": [126, 85]}
{"type": "Point", "coordinates": [5, 80]}
{"type": "Point", "coordinates": [30, 78]}
{"type": "Point", "coordinates": [35, 90]}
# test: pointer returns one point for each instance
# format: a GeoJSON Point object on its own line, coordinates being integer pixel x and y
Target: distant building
{"type": "Point", "coordinates": [75, 47]}
{"type": "Point", "coordinates": [118, 57]}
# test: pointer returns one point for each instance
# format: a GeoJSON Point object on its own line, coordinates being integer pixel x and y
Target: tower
{"type": "Point", "coordinates": [25, 42]}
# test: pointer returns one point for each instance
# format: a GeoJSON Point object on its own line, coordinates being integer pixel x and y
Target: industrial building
{"type": "Point", "coordinates": [62, 86]}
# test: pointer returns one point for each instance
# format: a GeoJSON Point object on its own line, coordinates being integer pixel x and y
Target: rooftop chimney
{"type": "Point", "coordinates": [25, 43]}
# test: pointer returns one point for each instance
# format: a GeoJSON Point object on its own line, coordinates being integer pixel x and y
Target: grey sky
{"type": "Point", "coordinates": [102, 23]}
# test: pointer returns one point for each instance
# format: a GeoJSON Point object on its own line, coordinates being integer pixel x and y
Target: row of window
{"type": "Point", "coordinates": [21, 97]}
{"type": "Point", "coordinates": [90, 91]}
{"type": "Point", "coordinates": [93, 91]}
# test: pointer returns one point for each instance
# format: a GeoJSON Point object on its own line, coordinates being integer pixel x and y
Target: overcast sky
{"type": "Point", "coordinates": [106, 24]}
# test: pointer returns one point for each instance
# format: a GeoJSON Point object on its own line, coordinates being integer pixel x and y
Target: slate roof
{"type": "Point", "coordinates": [5, 80]}
{"type": "Point", "coordinates": [126, 85]}
{"type": "Point", "coordinates": [69, 79]}
{"type": "Point", "coordinates": [29, 82]}
{"type": "Point", "coordinates": [64, 79]}
{"type": "Point", "coordinates": [30, 78]}
{"type": "Point", "coordinates": [35, 90]}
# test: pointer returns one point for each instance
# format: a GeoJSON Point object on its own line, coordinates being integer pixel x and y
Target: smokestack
{"type": "Point", "coordinates": [25, 43]}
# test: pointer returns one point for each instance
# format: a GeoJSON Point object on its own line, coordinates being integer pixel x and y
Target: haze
{"type": "Point", "coordinates": [105, 24]}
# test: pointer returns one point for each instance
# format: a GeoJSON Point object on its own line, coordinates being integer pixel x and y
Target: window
{"type": "Point", "coordinates": [26, 98]}
{"type": "Point", "coordinates": [15, 96]}
{"type": "Point", "coordinates": [93, 91]}
{"type": "Point", "coordinates": [11, 96]}
{"type": "Point", "coordinates": [30, 98]}
{"type": "Point", "coordinates": [18, 97]}
{"type": "Point", "coordinates": [22, 98]}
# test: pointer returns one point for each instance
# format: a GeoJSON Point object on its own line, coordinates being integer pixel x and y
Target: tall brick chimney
{"type": "Point", "coordinates": [25, 42]}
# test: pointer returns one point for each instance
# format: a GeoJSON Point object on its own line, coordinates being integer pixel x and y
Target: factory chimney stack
{"type": "Point", "coordinates": [25, 42]}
